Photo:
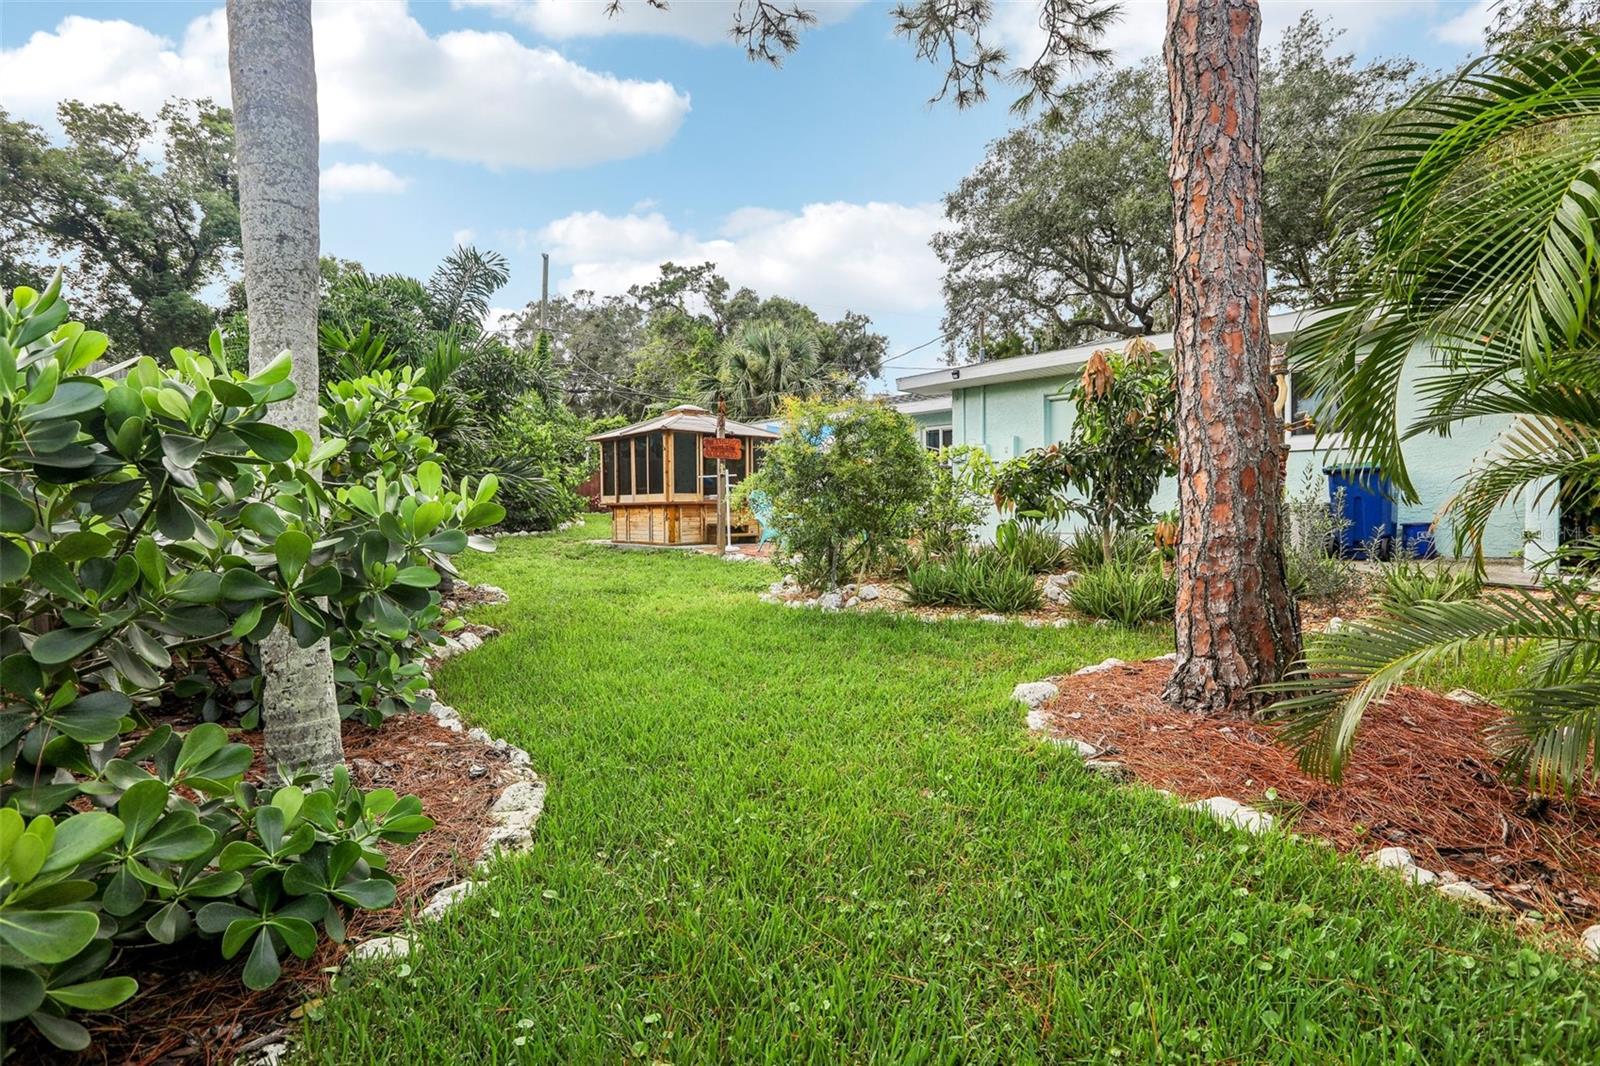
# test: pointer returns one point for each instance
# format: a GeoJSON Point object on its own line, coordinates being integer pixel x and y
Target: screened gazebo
{"type": "Point", "coordinates": [661, 487]}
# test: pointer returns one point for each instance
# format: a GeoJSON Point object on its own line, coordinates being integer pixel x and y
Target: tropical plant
{"type": "Point", "coordinates": [1122, 443]}
{"type": "Point", "coordinates": [1083, 551]}
{"type": "Point", "coordinates": [973, 576]}
{"type": "Point", "coordinates": [1404, 582]}
{"type": "Point", "coordinates": [1031, 546]}
{"type": "Point", "coordinates": [761, 367]}
{"type": "Point", "coordinates": [1314, 526]}
{"type": "Point", "coordinates": [1486, 209]}
{"type": "Point", "coordinates": [149, 526]}
{"type": "Point", "coordinates": [957, 500]}
{"type": "Point", "coordinates": [1126, 594]}
{"type": "Point", "coordinates": [846, 485]}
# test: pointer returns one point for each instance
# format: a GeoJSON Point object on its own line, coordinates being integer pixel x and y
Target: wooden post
{"type": "Point", "coordinates": [724, 514]}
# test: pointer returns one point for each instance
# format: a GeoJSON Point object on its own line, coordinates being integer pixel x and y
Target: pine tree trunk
{"type": "Point", "coordinates": [1236, 622]}
{"type": "Point", "coordinates": [274, 79]}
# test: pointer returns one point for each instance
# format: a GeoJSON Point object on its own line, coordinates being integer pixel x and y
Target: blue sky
{"type": "Point", "coordinates": [540, 125]}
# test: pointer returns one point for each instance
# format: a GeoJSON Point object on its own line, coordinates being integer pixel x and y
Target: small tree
{"type": "Point", "coordinates": [1123, 442]}
{"type": "Point", "coordinates": [846, 485]}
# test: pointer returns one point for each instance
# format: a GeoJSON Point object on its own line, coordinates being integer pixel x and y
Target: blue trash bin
{"type": "Point", "coordinates": [1417, 537]}
{"type": "Point", "coordinates": [1368, 508]}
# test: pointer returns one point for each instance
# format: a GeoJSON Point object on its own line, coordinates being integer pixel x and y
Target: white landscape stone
{"type": "Point", "coordinates": [1084, 749]}
{"type": "Point", "coordinates": [1234, 813]}
{"type": "Point", "coordinates": [1110, 769]}
{"type": "Point", "coordinates": [1466, 893]}
{"type": "Point", "coordinates": [1589, 940]}
{"type": "Point", "coordinates": [519, 796]}
{"type": "Point", "coordinates": [381, 949]}
{"type": "Point", "coordinates": [1038, 721]}
{"type": "Point", "coordinates": [1101, 667]}
{"type": "Point", "coordinates": [1391, 858]}
{"type": "Point", "coordinates": [1170, 657]}
{"type": "Point", "coordinates": [830, 601]}
{"type": "Point", "coordinates": [469, 641]}
{"type": "Point", "coordinates": [448, 897]}
{"type": "Point", "coordinates": [991, 618]}
{"type": "Point", "coordinates": [1033, 693]}
{"type": "Point", "coordinates": [868, 593]}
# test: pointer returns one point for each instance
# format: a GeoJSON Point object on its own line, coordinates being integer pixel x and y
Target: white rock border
{"type": "Point", "coordinates": [571, 523]}
{"type": "Point", "coordinates": [512, 817]}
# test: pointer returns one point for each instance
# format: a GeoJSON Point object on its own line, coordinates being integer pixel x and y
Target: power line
{"type": "Point", "coordinates": [918, 348]}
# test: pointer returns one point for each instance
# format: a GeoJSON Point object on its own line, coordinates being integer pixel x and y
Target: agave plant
{"type": "Point", "coordinates": [1483, 199]}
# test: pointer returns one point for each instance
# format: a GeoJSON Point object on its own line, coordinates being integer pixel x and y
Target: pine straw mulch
{"type": "Point", "coordinates": [192, 1006]}
{"type": "Point", "coordinates": [1421, 777]}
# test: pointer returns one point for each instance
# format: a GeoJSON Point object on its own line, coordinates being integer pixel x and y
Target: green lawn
{"type": "Point", "coordinates": [774, 835]}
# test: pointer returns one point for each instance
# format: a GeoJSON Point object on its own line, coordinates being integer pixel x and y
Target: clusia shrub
{"type": "Point", "coordinates": [847, 484]}
{"type": "Point", "coordinates": [147, 522]}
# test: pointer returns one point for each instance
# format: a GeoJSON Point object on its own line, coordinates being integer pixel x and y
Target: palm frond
{"type": "Point", "coordinates": [1346, 672]}
{"type": "Point", "coordinates": [1483, 194]}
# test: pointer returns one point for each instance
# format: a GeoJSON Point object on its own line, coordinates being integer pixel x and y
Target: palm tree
{"type": "Point", "coordinates": [766, 363]}
{"type": "Point", "coordinates": [274, 77]}
{"type": "Point", "coordinates": [1484, 198]}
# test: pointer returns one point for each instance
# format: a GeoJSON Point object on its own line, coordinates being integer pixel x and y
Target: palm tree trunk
{"type": "Point", "coordinates": [1236, 622]}
{"type": "Point", "coordinates": [274, 79]}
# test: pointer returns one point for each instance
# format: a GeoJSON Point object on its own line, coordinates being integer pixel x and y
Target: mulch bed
{"type": "Point", "coordinates": [1421, 777]}
{"type": "Point", "coordinates": [192, 1006]}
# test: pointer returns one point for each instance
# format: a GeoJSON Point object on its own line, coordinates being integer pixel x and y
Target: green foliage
{"type": "Point", "coordinates": [958, 499]}
{"type": "Point", "coordinates": [1482, 197]}
{"type": "Point", "coordinates": [147, 522]}
{"type": "Point", "coordinates": [984, 577]}
{"type": "Point", "coordinates": [1063, 233]}
{"type": "Point", "coordinates": [1128, 595]}
{"type": "Point", "coordinates": [846, 485]}
{"type": "Point", "coordinates": [184, 848]}
{"type": "Point", "coordinates": [1313, 527]}
{"type": "Point", "coordinates": [1404, 582]}
{"type": "Point", "coordinates": [761, 366]}
{"type": "Point", "coordinates": [682, 338]}
{"type": "Point", "coordinates": [1083, 550]}
{"type": "Point", "coordinates": [146, 231]}
{"type": "Point", "coordinates": [1030, 545]}
{"type": "Point", "coordinates": [1123, 442]}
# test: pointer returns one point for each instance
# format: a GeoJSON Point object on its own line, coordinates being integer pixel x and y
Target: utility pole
{"type": "Point", "coordinates": [724, 513]}
{"type": "Point", "coordinates": [544, 295]}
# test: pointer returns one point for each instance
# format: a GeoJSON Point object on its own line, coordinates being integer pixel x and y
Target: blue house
{"type": "Point", "coordinates": [1007, 406]}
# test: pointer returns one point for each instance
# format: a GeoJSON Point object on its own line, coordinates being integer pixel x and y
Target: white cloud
{"type": "Point", "coordinates": [1467, 28]}
{"type": "Point", "coordinates": [342, 179]}
{"type": "Point", "coordinates": [462, 237]}
{"type": "Point", "coordinates": [701, 21]}
{"type": "Point", "coordinates": [868, 257]}
{"type": "Point", "coordinates": [384, 83]}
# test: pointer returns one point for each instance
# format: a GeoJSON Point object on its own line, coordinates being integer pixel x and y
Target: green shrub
{"type": "Point", "coordinates": [144, 523]}
{"type": "Point", "coordinates": [846, 485]}
{"type": "Point", "coordinates": [981, 577]}
{"type": "Point", "coordinates": [1083, 551]}
{"type": "Point", "coordinates": [957, 499]}
{"type": "Point", "coordinates": [1313, 527]}
{"type": "Point", "coordinates": [1030, 546]}
{"type": "Point", "coordinates": [1128, 595]}
{"type": "Point", "coordinates": [1123, 441]}
{"type": "Point", "coordinates": [1405, 582]}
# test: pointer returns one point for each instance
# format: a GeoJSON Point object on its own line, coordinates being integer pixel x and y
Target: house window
{"type": "Point", "coordinates": [937, 438]}
{"type": "Point", "coordinates": [609, 461]}
{"type": "Point", "coordinates": [1305, 407]}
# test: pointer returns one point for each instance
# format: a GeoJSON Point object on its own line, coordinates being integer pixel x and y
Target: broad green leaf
{"type": "Point", "coordinates": [261, 969]}
{"type": "Point", "coordinates": [63, 645]}
{"type": "Point", "coordinates": [96, 995]}
{"type": "Point", "coordinates": [293, 549]}
{"type": "Point", "coordinates": [47, 936]}
{"type": "Point", "coordinates": [81, 837]}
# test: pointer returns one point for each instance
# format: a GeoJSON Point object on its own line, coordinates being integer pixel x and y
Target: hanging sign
{"type": "Point", "coordinates": [722, 448]}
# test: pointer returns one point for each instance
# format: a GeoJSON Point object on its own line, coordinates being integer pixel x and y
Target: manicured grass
{"type": "Point", "coordinates": [774, 835]}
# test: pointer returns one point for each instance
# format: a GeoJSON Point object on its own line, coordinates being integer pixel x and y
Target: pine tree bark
{"type": "Point", "coordinates": [1237, 625]}
{"type": "Point", "coordinates": [270, 61]}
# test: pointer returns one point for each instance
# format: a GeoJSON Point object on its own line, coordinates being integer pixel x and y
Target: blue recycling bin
{"type": "Point", "coordinates": [1368, 507]}
{"type": "Point", "coordinates": [1417, 537]}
